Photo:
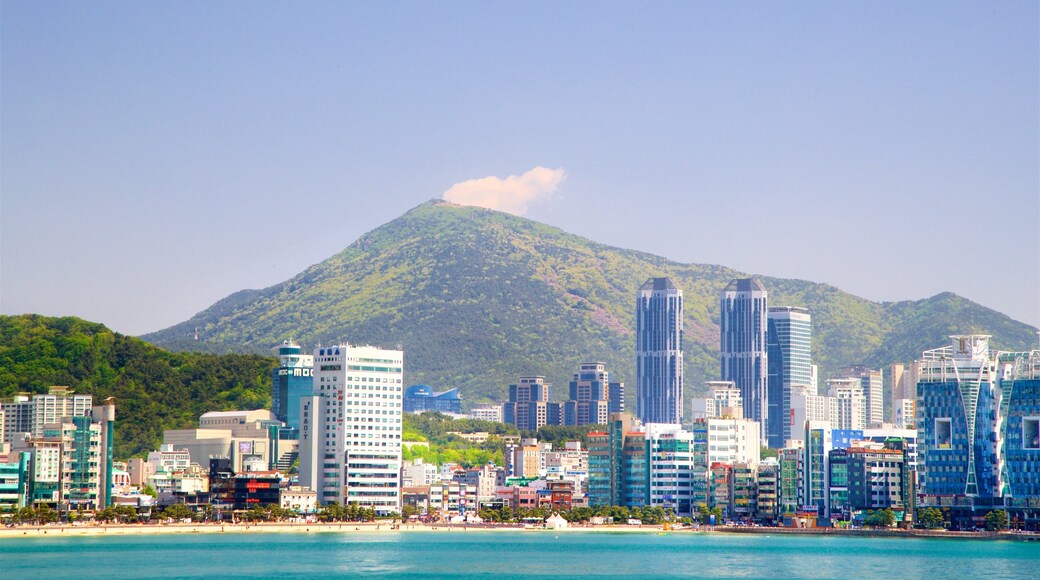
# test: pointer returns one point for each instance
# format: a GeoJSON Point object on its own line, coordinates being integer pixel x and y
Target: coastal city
{"type": "Point", "coordinates": [948, 441]}
{"type": "Point", "coordinates": [569, 290]}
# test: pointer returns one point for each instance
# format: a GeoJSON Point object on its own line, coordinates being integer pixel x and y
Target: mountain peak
{"type": "Point", "coordinates": [478, 297]}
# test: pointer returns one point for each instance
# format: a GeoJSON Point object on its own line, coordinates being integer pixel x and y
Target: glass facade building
{"type": "Point", "coordinates": [978, 426]}
{"type": "Point", "coordinates": [290, 382]}
{"type": "Point", "coordinates": [789, 356]}
{"type": "Point", "coordinates": [743, 314]}
{"type": "Point", "coordinates": [659, 352]}
{"type": "Point", "coordinates": [419, 398]}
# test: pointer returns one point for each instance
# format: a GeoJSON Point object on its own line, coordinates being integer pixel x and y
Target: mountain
{"type": "Point", "coordinates": [154, 389]}
{"type": "Point", "coordinates": [477, 298]}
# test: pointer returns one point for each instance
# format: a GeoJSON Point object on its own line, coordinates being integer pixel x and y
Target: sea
{"type": "Point", "coordinates": [508, 554]}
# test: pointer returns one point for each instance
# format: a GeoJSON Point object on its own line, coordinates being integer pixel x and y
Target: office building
{"type": "Point", "coordinates": [590, 396]}
{"type": "Point", "coordinates": [290, 382]}
{"type": "Point", "coordinates": [607, 461]}
{"type": "Point", "coordinates": [529, 406]}
{"type": "Point", "coordinates": [789, 354]}
{"type": "Point", "coordinates": [818, 445]}
{"type": "Point", "coordinates": [672, 467]}
{"type": "Point", "coordinates": [350, 436]}
{"type": "Point", "coordinates": [978, 417]}
{"type": "Point", "coordinates": [659, 352]}
{"type": "Point", "coordinates": [743, 315]}
{"type": "Point", "coordinates": [421, 398]}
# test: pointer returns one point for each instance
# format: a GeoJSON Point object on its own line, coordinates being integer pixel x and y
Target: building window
{"type": "Point", "coordinates": [1031, 432]}
{"type": "Point", "coordinates": [943, 433]}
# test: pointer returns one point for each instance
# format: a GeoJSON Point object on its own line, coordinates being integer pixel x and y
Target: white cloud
{"type": "Point", "coordinates": [512, 194]}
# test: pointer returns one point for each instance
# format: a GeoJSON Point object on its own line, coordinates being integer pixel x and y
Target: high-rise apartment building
{"type": "Point", "coordinates": [487, 413]}
{"type": "Point", "coordinates": [873, 392]}
{"type": "Point", "coordinates": [659, 352]}
{"type": "Point", "coordinates": [723, 400]}
{"type": "Point", "coordinates": [848, 404]}
{"type": "Point", "coordinates": [529, 406]}
{"type": "Point", "coordinates": [350, 433]}
{"type": "Point", "coordinates": [806, 405]}
{"type": "Point", "coordinates": [57, 404]}
{"type": "Point", "coordinates": [743, 316]}
{"type": "Point", "coordinates": [290, 382]}
{"type": "Point", "coordinates": [591, 393]}
{"type": "Point", "coordinates": [789, 354]}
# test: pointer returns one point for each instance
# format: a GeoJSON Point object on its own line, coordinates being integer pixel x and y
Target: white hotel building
{"type": "Point", "coordinates": [350, 430]}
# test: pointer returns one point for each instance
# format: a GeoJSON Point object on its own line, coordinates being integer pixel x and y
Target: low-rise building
{"type": "Point", "coordinates": [299, 499]}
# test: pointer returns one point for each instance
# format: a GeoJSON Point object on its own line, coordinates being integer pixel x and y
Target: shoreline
{"type": "Point", "coordinates": [57, 531]}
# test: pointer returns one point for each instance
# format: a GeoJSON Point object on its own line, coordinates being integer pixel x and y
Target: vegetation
{"type": "Point", "coordinates": [885, 518]}
{"type": "Point", "coordinates": [335, 512]}
{"type": "Point", "coordinates": [477, 298]}
{"type": "Point", "coordinates": [40, 515]}
{"type": "Point", "coordinates": [444, 446]}
{"type": "Point", "coordinates": [997, 521]}
{"type": "Point", "coordinates": [931, 518]}
{"type": "Point", "coordinates": [154, 389]}
{"type": "Point", "coordinates": [121, 514]}
{"type": "Point", "coordinates": [647, 514]}
{"type": "Point", "coordinates": [704, 514]}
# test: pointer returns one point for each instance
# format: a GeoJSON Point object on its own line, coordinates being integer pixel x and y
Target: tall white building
{"type": "Point", "coordinates": [350, 440]}
{"type": "Point", "coordinates": [806, 405]}
{"type": "Point", "coordinates": [723, 400]}
{"type": "Point", "coordinates": [848, 404]}
{"type": "Point", "coordinates": [873, 392]}
{"type": "Point", "coordinates": [487, 413]}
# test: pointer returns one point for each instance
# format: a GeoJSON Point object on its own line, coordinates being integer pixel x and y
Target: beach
{"type": "Point", "coordinates": [55, 530]}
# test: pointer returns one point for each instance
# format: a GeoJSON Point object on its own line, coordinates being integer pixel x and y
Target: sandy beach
{"type": "Point", "coordinates": [271, 527]}
{"type": "Point", "coordinates": [55, 530]}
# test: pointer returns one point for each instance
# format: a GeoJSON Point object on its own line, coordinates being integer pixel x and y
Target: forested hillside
{"type": "Point", "coordinates": [154, 389]}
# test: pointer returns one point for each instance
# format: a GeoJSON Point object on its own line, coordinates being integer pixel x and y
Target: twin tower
{"type": "Point", "coordinates": [659, 352]}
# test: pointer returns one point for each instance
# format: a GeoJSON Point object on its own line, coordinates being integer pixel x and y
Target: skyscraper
{"type": "Point", "coordinates": [350, 432]}
{"type": "Point", "coordinates": [743, 314]}
{"type": "Point", "coordinates": [789, 352]}
{"type": "Point", "coordinates": [659, 354]}
{"type": "Point", "coordinates": [291, 381]}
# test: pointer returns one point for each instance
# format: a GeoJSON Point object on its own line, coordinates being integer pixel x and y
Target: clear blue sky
{"type": "Point", "coordinates": [157, 156]}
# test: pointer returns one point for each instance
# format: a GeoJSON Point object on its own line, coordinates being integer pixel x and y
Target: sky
{"type": "Point", "coordinates": [158, 156]}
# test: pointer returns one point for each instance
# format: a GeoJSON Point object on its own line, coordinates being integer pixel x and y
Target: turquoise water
{"type": "Point", "coordinates": [513, 554]}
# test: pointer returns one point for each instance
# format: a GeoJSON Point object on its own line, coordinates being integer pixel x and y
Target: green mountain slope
{"type": "Point", "coordinates": [154, 389]}
{"type": "Point", "coordinates": [477, 297]}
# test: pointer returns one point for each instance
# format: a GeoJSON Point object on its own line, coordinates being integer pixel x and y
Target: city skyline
{"type": "Point", "coordinates": [153, 165]}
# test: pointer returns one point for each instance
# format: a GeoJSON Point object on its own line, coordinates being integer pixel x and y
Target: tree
{"type": "Point", "coordinates": [149, 490]}
{"type": "Point", "coordinates": [46, 515]}
{"type": "Point", "coordinates": [880, 518]}
{"type": "Point", "coordinates": [177, 511]}
{"type": "Point", "coordinates": [408, 511]}
{"type": "Point", "coordinates": [997, 520]}
{"type": "Point", "coordinates": [705, 514]}
{"type": "Point", "coordinates": [931, 518]}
